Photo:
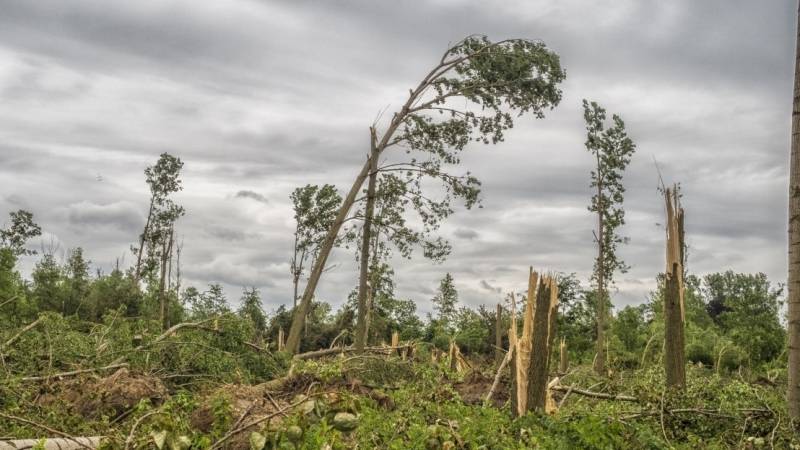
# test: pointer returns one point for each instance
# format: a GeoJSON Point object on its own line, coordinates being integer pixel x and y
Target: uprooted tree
{"type": "Point", "coordinates": [612, 149]}
{"type": "Point", "coordinates": [495, 78]}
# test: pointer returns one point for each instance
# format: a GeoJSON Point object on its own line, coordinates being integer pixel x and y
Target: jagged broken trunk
{"type": "Point", "coordinates": [674, 314]}
{"type": "Point", "coordinates": [531, 357]}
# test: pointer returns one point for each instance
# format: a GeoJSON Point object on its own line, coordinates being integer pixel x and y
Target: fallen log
{"type": "Point", "coordinates": [601, 395]}
{"type": "Point", "coordinates": [75, 442]}
{"type": "Point", "coordinates": [74, 372]}
{"type": "Point", "coordinates": [341, 350]}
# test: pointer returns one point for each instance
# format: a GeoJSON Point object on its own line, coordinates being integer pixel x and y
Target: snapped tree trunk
{"type": "Point", "coordinates": [674, 315]}
{"type": "Point", "coordinates": [793, 391]}
{"type": "Point", "coordinates": [363, 285]}
{"type": "Point", "coordinates": [545, 310]}
{"type": "Point", "coordinates": [531, 351]}
{"type": "Point", "coordinates": [498, 335]}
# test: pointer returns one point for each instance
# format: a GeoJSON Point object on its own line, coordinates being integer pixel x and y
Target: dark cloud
{"type": "Point", "coordinates": [122, 216]}
{"type": "Point", "coordinates": [251, 195]}
{"type": "Point", "coordinates": [258, 99]}
{"type": "Point", "coordinates": [486, 285]}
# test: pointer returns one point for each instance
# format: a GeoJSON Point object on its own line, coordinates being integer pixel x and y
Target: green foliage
{"type": "Point", "coordinates": [746, 309]}
{"type": "Point", "coordinates": [206, 304]}
{"type": "Point", "coordinates": [445, 300]}
{"type": "Point", "coordinates": [315, 209]}
{"type": "Point", "coordinates": [21, 229]}
{"type": "Point", "coordinates": [163, 179]}
{"type": "Point", "coordinates": [112, 292]}
{"type": "Point", "coordinates": [251, 309]}
{"type": "Point", "coordinates": [612, 149]}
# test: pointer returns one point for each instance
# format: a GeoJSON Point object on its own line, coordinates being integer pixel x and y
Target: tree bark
{"type": "Point", "coordinates": [366, 241]}
{"type": "Point", "coordinates": [600, 357]}
{"type": "Point", "coordinates": [674, 360]}
{"type": "Point", "coordinates": [542, 333]}
{"type": "Point", "coordinates": [793, 391]}
{"type": "Point", "coordinates": [166, 249]}
{"type": "Point", "coordinates": [498, 335]}
{"type": "Point", "coordinates": [142, 238]}
{"type": "Point", "coordinates": [563, 363]}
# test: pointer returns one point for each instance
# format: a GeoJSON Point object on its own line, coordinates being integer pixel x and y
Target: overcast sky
{"type": "Point", "coordinates": [260, 97]}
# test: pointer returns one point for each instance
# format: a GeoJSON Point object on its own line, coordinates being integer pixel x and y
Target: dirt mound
{"type": "Point", "coordinates": [112, 395]}
{"type": "Point", "coordinates": [121, 391]}
{"type": "Point", "coordinates": [475, 387]}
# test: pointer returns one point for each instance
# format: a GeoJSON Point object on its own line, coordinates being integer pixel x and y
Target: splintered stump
{"type": "Point", "coordinates": [530, 361]}
{"type": "Point", "coordinates": [674, 315]}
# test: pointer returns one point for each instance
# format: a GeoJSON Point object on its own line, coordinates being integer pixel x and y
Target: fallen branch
{"type": "Point", "coordinates": [500, 368]}
{"type": "Point", "coordinates": [338, 350]}
{"type": "Point", "coordinates": [74, 372]}
{"type": "Point", "coordinates": [573, 389]}
{"type": "Point", "coordinates": [165, 335]}
{"type": "Point", "coordinates": [699, 411]}
{"type": "Point", "coordinates": [242, 428]}
{"type": "Point", "coordinates": [48, 429]}
{"type": "Point", "coordinates": [21, 332]}
{"type": "Point", "coordinates": [129, 439]}
{"type": "Point", "coordinates": [256, 347]}
{"type": "Point", "coordinates": [13, 297]}
{"type": "Point", "coordinates": [52, 444]}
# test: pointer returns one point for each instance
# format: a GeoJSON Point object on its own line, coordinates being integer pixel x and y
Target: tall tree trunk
{"type": "Point", "coordinates": [600, 352]}
{"type": "Point", "coordinates": [366, 241]}
{"type": "Point", "coordinates": [296, 281]}
{"type": "Point", "coordinates": [178, 250]}
{"type": "Point", "coordinates": [793, 392]}
{"type": "Point", "coordinates": [161, 285]}
{"type": "Point", "coordinates": [563, 362]}
{"type": "Point", "coordinates": [498, 335]}
{"type": "Point", "coordinates": [142, 238]}
{"type": "Point", "coordinates": [298, 320]}
{"type": "Point", "coordinates": [169, 268]}
{"type": "Point", "coordinates": [674, 315]}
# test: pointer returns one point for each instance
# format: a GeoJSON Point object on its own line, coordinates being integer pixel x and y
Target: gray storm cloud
{"type": "Point", "coordinates": [257, 98]}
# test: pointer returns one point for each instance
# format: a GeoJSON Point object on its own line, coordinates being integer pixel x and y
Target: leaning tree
{"type": "Point", "coordinates": [472, 94]}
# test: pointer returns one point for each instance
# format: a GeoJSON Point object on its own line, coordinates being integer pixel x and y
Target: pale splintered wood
{"type": "Point", "coordinates": [674, 310]}
{"type": "Point", "coordinates": [281, 343]}
{"type": "Point", "coordinates": [530, 360]}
